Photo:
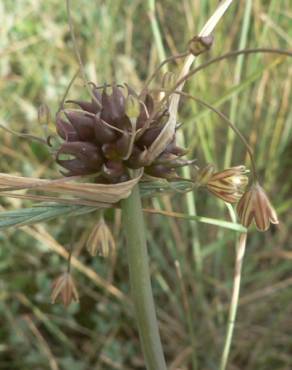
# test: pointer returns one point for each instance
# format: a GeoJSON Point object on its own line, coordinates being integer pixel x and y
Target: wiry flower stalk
{"type": "Point", "coordinates": [240, 251]}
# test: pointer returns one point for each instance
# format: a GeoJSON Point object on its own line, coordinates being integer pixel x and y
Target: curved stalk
{"type": "Point", "coordinates": [159, 67]}
{"type": "Point", "coordinates": [140, 282]}
{"type": "Point", "coordinates": [202, 66]}
{"type": "Point", "coordinates": [233, 128]}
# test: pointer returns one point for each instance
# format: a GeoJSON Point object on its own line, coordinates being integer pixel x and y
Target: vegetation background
{"type": "Point", "coordinates": [117, 43]}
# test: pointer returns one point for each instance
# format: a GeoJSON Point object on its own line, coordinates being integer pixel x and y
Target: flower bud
{"type": "Point", "coordinates": [83, 125]}
{"type": "Point", "coordinates": [113, 107]}
{"type": "Point", "coordinates": [64, 288]}
{"type": "Point", "coordinates": [200, 44]}
{"type": "Point", "coordinates": [101, 240]}
{"type": "Point", "coordinates": [86, 158]}
{"type": "Point", "coordinates": [103, 133]}
{"type": "Point", "coordinates": [227, 185]}
{"type": "Point", "coordinates": [66, 130]}
{"type": "Point", "coordinates": [112, 170]}
{"type": "Point", "coordinates": [255, 205]}
{"type": "Point", "coordinates": [86, 106]}
{"type": "Point", "coordinates": [149, 136]}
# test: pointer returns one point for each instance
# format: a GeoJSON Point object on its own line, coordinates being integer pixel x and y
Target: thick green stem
{"type": "Point", "coordinates": [140, 282]}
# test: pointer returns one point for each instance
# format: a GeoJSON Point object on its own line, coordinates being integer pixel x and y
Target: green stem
{"type": "Point", "coordinates": [234, 301]}
{"type": "Point", "coordinates": [140, 282]}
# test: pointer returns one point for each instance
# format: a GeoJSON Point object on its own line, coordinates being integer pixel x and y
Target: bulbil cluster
{"type": "Point", "coordinates": [112, 133]}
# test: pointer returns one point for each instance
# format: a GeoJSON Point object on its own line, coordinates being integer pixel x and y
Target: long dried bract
{"type": "Point", "coordinates": [104, 193]}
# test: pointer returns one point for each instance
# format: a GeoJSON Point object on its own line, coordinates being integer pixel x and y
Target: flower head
{"type": "Point", "coordinates": [255, 204]}
{"type": "Point", "coordinates": [101, 240]}
{"type": "Point", "coordinates": [112, 134]}
{"type": "Point", "coordinates": [65, 289]}
{"type": "Point", "coordinates": [228, 184]}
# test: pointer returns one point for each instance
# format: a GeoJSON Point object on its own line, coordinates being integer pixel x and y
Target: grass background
{"type": "Point", "coordinates": [117, 43]}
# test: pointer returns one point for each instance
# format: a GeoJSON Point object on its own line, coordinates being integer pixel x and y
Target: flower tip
{"type": "Point", "coordinates": [255, 205]}
{"type": "Point", "coordinates": [101, 240]}
{"type": "Point", "coordinates": [64, 289]}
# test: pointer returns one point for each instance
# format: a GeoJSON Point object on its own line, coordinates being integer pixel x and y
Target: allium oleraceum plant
{"type": "Point", "coordinates": [125, 143]}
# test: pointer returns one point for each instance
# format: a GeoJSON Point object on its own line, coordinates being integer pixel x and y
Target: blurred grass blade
{"type": "Point", "coordinates": [28, 216]}
{"type": "Point", "coordinates": [205, 220]}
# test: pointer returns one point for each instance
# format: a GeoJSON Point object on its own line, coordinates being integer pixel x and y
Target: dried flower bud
{"type": "Point", "coordinates": [200, 44]}
{"type": "Point", "coordinates": [64, 288]}
{"type": "Point", "coordinates": [255, 204]}
{"type": "Point", "coordinates": [101, 240]}
{"type": "Point", "coordinates": [227, 185]}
